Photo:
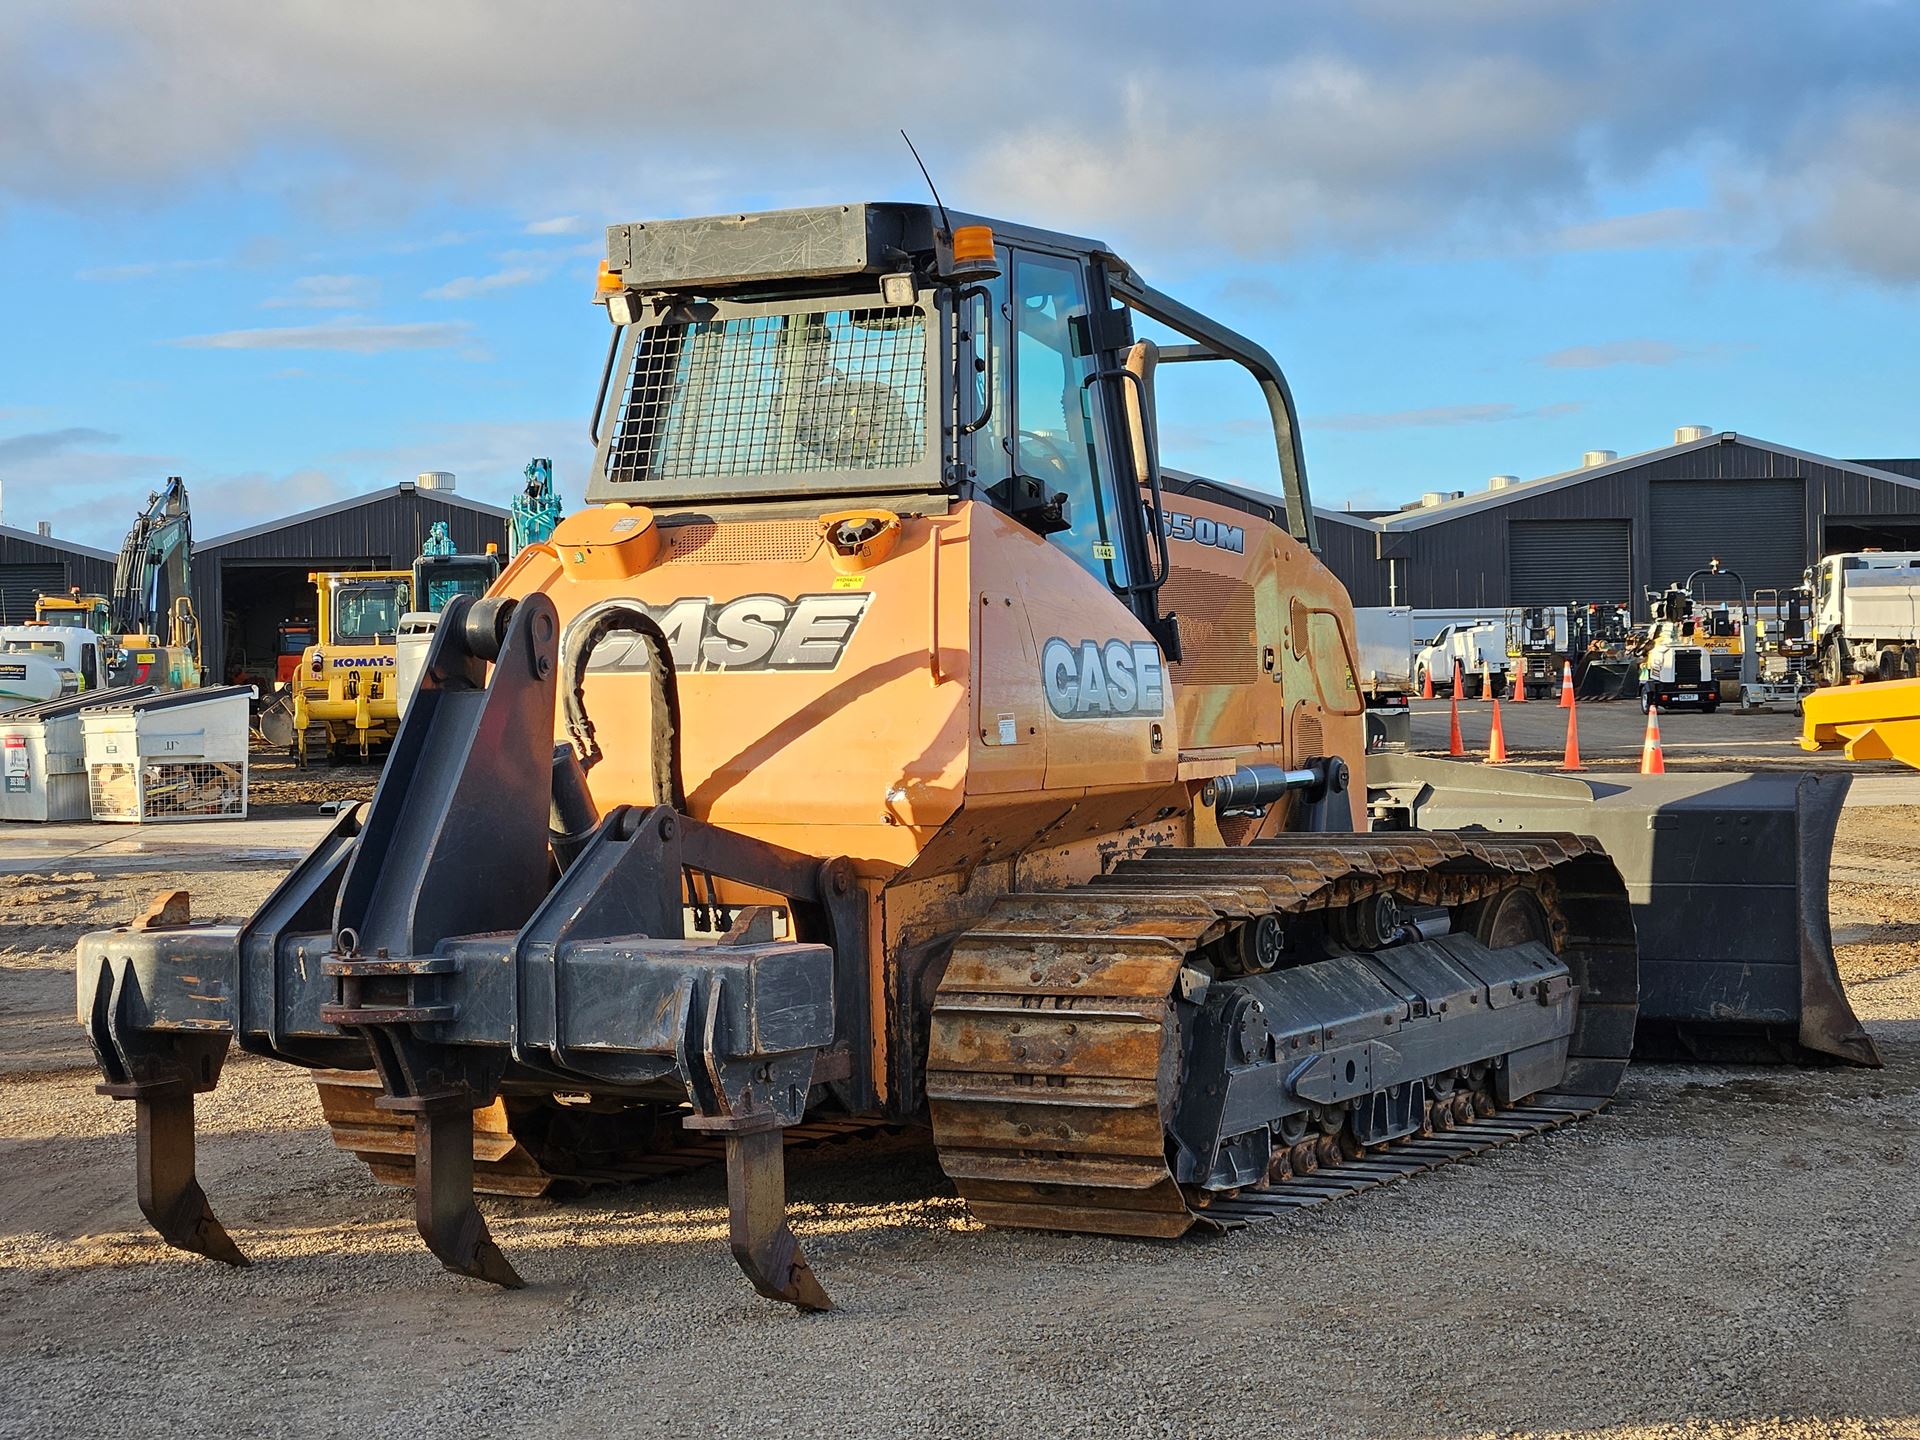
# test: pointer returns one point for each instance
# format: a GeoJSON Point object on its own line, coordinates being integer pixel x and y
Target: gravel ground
{"type": "Point", "coordinates": [1721, 1253]}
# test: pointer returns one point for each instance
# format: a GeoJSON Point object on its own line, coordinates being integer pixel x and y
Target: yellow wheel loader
{"type": "Point", "coordinates": [891, 738]}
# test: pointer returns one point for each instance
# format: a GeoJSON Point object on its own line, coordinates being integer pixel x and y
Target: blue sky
{"type": "Point", "coordinates": [297, 251]}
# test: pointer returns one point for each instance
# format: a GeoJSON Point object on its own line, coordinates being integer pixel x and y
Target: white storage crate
{"type": "Point", "coordinates": [180, 756]}
{"type": "Point", "coordinates": [43, 768]}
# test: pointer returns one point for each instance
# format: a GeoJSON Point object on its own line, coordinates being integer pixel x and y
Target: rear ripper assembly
{"type": "Point", "coordinates": [458, 964]}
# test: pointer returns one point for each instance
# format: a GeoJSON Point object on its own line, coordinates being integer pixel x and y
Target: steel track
{"type": "Point", "coordinates": [1054, 1055]}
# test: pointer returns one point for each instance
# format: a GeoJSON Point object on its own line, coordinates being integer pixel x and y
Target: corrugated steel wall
{"type": "Point", "coordinates": [1562, 562]}
{"type": "Point", "coordinates": [89, 573]}
{"type": "Point", "coordinates": [386, 532]}
{"type": "Point", "coordinates": [1462, 563]}
{"type": "Point", "coordinates": [1349, 551]}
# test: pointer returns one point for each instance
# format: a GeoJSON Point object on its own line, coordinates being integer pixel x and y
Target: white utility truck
{"type": "Point", "coordinates": [48, 662]}
{"type": "Point", "coordinates": [1480, 649]}
{"type": "Point", "coordinates": [1383, 634]}
{"type": "Point", "coordinates": [1866, 615]}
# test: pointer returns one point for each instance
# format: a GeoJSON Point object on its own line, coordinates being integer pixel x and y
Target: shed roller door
{"type": "Point", "coordinates": [1555, 562]}
{"type": "Point", "coordinates": [21, 585]}
{"type": "Point", "coordinates": [1755, 527]}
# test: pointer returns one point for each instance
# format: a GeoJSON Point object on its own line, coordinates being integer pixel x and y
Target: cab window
{"type": "Point", "coordinates": [364, 613]}
{"type": "Point", "coordinates": [1056, 414]}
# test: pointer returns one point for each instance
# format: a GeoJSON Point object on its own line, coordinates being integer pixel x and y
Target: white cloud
{"type": "Point", "coordinates": [465, 287]}
{"type": "Point", "coordinates": [26, 449]}
{"type": "Point", "coordinates": [357, 337]}
{"type": "Point", "coordinates": [1267, 130]}
{"type": "Point", "coordinates": [1643, 230]}
{"type": "Point", "coordinates": [1441, 415]}
{"type": "Point", "coordinates": [1631, 352]}
{"type": "Point", "coordinates": [327, 292]}
{"type": "Point", "coordinates": [142, 270]}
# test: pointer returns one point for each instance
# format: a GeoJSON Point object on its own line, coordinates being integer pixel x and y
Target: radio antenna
{"type": "Point", "coordinates": [945, 223]}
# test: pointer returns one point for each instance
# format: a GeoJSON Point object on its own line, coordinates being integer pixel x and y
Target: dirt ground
{"type": "Point", "coordinates": [1721, 1253]}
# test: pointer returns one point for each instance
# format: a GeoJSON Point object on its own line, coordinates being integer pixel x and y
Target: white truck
{"type": "Point", "coordinates": [1383, 635]}
{"type": "Point", "coordinates": [1478, 647]}
{"type": "Point", "coordinates": [1866, 615]}
{"type": "Point", "coordinates": [48, 662]}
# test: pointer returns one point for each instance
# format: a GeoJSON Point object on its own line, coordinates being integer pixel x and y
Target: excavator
{"type": "Point", "coordinates": [892, 739]}
{"type": "Point", "coordinates": [344, 690]}
{"type": "Point", "coordinates": [148, 621]}
{"type": "Point", "coordinates": [536, 509]}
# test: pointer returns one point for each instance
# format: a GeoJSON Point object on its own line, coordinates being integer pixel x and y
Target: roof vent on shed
{"type": "Point", "coordinates": [1687, 434]}
{"type": "Point", "coordinates": [1439, 497]}
{"type": "Point", "coordinates": [44, 528]}
{"type": "Point", "coordinates": [1501, 482]}
{"type": "Point", "coordinates": [1598, 457]}
{"type": "Point", "coordinates": [434, 480]}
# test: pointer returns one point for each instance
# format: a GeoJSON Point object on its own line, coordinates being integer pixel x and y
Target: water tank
{"type": "Point", "coordinates": [1598, 457]}
{"type": "Point", "coordinates": [1501, 482]}
{"type": "Point", "coordinates": [1687, 434]}
{"type": "Point", "coordinates": [434, 480]}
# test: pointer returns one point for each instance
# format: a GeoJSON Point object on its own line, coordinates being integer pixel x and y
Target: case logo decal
{"type": "Point", "coordinates": [753, 633]}
{"type": "Point", "coordinates": [1103, 679]}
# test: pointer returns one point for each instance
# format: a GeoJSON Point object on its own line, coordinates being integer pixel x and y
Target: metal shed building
{"type": "Point", "coordinates": [1614, 527]}
{"type": "Point", "coordinates": [32, 565]}
{"type": "Point", "coordinates": [1350, 547]}
{"type": "Point", "coordinates": [248, 581]}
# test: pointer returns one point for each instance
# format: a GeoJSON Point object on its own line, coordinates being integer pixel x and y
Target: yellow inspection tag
{"type": "Point", "coordinates": [849, 582]}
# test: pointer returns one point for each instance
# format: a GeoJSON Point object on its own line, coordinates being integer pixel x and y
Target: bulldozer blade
{"type": "Point", "coordinates": [443, 1206]}
{"type": "Point", "coordinates": [757, 1229]}
{"type": "Point", "coordinates": [275, 721]}
{"type": "Point", "coordinates": [1728, 875]}
{"type": "Point", "coordinates": [169, 1192]}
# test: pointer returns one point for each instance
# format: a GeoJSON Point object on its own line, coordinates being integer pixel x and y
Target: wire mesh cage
{"type": "Point", "coordinates": [144, 790]}
{"type": "Point", "coordinates": [814, 391]}
{"type": "Point", "coordinates": [179, 756]}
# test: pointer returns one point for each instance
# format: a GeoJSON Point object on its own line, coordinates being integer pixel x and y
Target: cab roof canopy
{"type": "Point", "coordinates": [821, 242]}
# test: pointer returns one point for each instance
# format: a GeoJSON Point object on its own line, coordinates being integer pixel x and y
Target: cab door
{"type": "Point", "coordinates": [1108, 711]}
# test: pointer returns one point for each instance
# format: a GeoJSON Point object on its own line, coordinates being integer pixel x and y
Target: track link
{"type": "Point", "coordinates": [1054, 1058]}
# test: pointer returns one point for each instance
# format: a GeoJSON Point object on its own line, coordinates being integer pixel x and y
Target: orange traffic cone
{"type": "Point", "coordinates": [1497, 742]}
{"type": "Point", "coordinates": [1426, 684]}
{"type": "Point", "coordinates": [1454, 745]}
{"type": "Point", "coordinates": [1486, 680]}
{"type": "Point", "coordinates": [1652, 760]}
{"type": "Point", "coordinates": [1517, 684]}
{"type": "Point", "coordinates": [1566, 684]}
{"type": "Point", "coordinates": [1572, 761]}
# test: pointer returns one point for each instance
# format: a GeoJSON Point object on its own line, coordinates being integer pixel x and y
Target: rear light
{"type": "Point", "coordinates": [315, 662]}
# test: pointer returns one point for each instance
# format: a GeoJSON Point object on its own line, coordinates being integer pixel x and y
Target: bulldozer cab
{"type": "Point", "coordinates": [90, 612]}
{"type": "Point", "coordinates": [895, 355]}
{"type": "Point", "coordinates": [362, 609]}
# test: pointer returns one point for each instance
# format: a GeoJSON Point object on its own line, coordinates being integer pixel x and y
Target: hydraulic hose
{"type": "Point", "coordinates": [578, 648]}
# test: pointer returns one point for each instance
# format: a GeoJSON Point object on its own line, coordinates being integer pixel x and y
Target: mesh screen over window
{"type": "Point", "coordinates": [774, 394]}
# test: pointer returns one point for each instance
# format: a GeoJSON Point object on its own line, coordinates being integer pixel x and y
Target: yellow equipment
{"type": "Point", "coordinates": [1866, 722]}
{"type": "Point", "coordinates": [89, 612]}
{"type": "Point", "coordinates": [344, 690]}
